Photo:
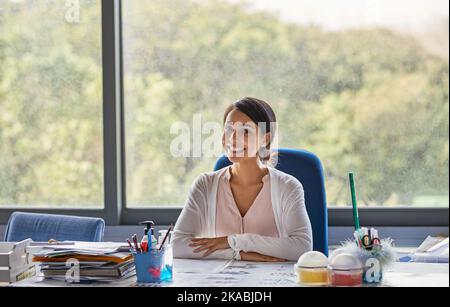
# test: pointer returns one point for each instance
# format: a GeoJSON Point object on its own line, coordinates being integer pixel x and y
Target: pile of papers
{"type": "Point", "coordinates": [85, 262]}
{"type": "Point", "coordinates": [432, 250]}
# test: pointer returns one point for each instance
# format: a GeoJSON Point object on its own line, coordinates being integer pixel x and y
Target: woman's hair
{"type": "Point", "coordinates": [261, 113]}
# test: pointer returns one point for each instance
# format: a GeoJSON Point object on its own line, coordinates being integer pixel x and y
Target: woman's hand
{"type": "Point", "coordinates": [209, 246]}
{"type": "Point", "coordinates": [255, 257]}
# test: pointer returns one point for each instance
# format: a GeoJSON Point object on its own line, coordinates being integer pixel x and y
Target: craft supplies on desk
{"type": "Point", "coordinates": [374, 254]}
{"type": "Point", "coordinates": [342, 270]}
{"type": "Point", "coordinates": [312, 269]}
{"type": "Point", "coordinates": [346, 270]}
{"type": "Point", "coordinates": [358, 261]}
{"type": "Point", "coordinates": [153, 260]}
{"type": "Point", "coordinates": [14, 262]}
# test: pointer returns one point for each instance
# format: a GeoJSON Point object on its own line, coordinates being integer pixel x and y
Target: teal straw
{"type": "Point", "coordinates": [354, 203]}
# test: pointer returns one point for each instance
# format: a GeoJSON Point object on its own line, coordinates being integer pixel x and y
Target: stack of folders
{"type": "Point", "coordinates": [85, 262]}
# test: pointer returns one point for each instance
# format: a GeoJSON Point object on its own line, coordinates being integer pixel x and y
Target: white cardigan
{"type": "Point", "coordinates": [198, 220]}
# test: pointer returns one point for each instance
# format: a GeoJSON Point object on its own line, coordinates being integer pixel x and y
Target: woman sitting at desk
{"type": "Point", "coordinates": [249, 211]}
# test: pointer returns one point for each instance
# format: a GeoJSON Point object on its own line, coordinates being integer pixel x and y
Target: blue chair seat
{"type": "Point", "coordinates": [43, 227]}
{"type": "Point", "coordinates": [307, 168]}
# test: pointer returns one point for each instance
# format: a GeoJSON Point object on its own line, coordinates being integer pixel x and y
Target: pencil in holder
{"type": "Point", "coordinates": [154, 267]}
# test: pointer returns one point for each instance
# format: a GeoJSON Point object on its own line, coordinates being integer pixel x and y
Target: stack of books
{"type": "Point", "coordinates": [85, 262]}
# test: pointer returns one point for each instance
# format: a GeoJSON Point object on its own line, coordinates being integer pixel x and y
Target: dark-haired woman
{"type": "Point", "coordinates": [249, 211]}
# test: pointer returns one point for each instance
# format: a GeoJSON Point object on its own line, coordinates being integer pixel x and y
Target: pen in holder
{"type": "Point", "coordinates": [155, 266]}
{"type": "Point", "coordinates": [153, 262]}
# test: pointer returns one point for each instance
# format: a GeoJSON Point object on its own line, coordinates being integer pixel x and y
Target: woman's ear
{"type": "Point", "coordinates": [267, 140]}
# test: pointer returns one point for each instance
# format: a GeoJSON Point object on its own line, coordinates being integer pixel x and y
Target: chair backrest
{"type": "Point", "coordinates": [44, 227]}
{"type": "Point", "coordinates": [307, 168]}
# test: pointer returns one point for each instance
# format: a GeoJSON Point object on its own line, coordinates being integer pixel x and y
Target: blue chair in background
{"type": "Point", "coordinates": [307, 168]}
{"type": "Point", "coordinates": [44, 227]}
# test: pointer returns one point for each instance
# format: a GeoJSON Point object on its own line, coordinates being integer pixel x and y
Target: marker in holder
{"type": "Point", "coordinates": [154, 267]}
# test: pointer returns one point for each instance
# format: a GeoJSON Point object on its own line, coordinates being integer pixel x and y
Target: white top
{"type": "Point", "coordinates": [198, 219]}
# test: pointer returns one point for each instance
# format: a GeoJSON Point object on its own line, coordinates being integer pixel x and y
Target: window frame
{"type": "Point", "coordinates": [115, 211]}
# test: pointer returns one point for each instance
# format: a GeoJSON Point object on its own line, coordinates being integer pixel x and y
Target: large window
{"type": "Point", "coordinates": [51, 151]}
{"type": "Point", "coordinates": [363, 84]}
{"type": "Point", "coordinates": [111, 108]}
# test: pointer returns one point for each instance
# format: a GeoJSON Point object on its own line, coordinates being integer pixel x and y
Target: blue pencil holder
{"type": "Point", "coordinates": [154, 267]}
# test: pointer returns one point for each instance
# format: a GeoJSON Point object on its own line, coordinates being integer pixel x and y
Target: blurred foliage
{"type": "Point", "coordinates": [50, 106]}
{"type": "Point", "coordinates": [367, 100]}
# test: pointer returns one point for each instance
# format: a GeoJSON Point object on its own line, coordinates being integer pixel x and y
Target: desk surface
{"type": "Point", "coordinates": [217, 273]}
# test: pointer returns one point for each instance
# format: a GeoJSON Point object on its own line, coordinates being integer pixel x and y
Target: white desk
{"type": "Point", "coordinates": [216, 273]}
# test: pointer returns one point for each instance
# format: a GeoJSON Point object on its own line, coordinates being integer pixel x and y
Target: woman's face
{"type": "Point", "coordinates": [242, 138]}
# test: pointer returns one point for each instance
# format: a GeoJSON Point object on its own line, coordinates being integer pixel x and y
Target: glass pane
{"type": "Point", "coordinates": [363, 84]}
{"type": "Point", "coordinates": [51, 144]}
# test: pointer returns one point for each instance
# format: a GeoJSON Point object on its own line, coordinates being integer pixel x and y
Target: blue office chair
{"type": "Point", "coordinates": [307, 168]}
{"type": "Point", "coordinates": [44, 227]}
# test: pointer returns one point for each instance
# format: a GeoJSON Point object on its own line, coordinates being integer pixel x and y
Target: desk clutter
{"type": "Point", "coordinates": [359, 261]}
{"type": "Point", "coordinates": [15, 264]}
{"type": "Point", "coordinates": [153, 258]}
{"type": "Point", "coordinates": [352, 265]}
{"type": "Point", "coordinates": [84, 262]}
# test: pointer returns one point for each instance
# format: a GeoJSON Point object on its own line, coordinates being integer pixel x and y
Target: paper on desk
{"type": "Point", "coordinates": [190, 266]}
{"type": "Point", "coordinates": [237, 274]}
{"type": "Point", "coordinates": [413, 280]}
{"type": "Point", "coordinates": [440, 247]}
{"type": "Point", "coordinates": [234, 274]}
{"type": "Point", "coordinates": [428, 244]}
{"type": "Point", "coordinates": [416, 275]}
{"type": "Point", "coordinates": [262, 274]}
{"type": "Point", "coordinates": [433, 250]}
{"type": "Point", "coordinates": [103, 248]}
